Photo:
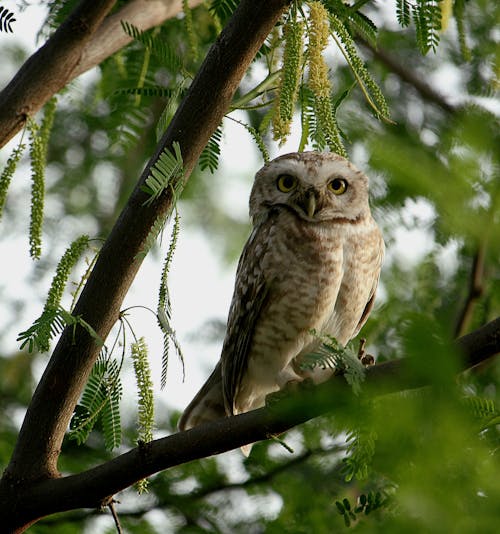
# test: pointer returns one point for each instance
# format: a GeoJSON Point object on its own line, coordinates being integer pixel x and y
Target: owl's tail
{"type": "Point", "coordinates": [208, 404]}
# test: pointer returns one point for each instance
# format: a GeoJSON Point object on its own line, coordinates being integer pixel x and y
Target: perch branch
{"type": "Point", "coordinates": [95, 486]}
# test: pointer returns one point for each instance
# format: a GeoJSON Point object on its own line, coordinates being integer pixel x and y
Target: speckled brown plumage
{"type": "Point", "coordinates": [312, 262]}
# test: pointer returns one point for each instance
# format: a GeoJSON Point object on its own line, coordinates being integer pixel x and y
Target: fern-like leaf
{"type": "Point", "coordinates": [99, 404]}
{"type": "Point", "coordinates": [360, 450]}
{"type": "Point", "coordinates": [167, 170]}
{"type": "Point", "coordinates": [6, 20]}
{"type": "Point", "coordinates": [110, 415]}
{"type": "Point", "coordinates": [223, 9]}
{"type": "Point", "coordinates": [209, 158]}
{"type": "Point", "coordinates": [154, 91]}
{"type": "Point", "coordinates": [403, 12]}
{"type": "Point", "coordinates": [427, 18]}
{"type": "Point", "coordinates": [155, 44]}
{"type": "Point", "coordinates": [341, 359]}
{"type": "Point", "coordinates": [38, 336]}
{"type": "Point", "coordinates": [164, 310]}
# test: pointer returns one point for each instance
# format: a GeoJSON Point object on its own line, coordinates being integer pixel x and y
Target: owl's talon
{"type": "Point", "coordinates": [364, 358]}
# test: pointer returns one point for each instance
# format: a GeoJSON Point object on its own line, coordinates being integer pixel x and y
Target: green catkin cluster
{"type": "Point", "coordinates": [63, 270]}
{"type": "Point", "coordinates": [191, 34]}
{"type": "Point", "coordinates": [145, 416]}
{"type": "Point", "coordinates": [8, 172]}
{"type": "Point", "coordinates": [289, 80]}
{"type": "Point", "coordinates": [39, 140]}
{"type": "Point", "coordinates": [37, 190]}
{"type": "Point", "coordinates": [458, 11]}
{"type": "Point", "coordinates": [371, 90]}
{"type": "Point", "coordinates": [319, 82]}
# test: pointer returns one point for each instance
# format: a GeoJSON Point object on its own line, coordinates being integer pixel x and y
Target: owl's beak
{"type": "Point", "coordinates": [310, 203]}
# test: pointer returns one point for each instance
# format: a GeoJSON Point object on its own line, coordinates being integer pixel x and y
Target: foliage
{"type": "Point", "coordinates": [99, 404]}
{"type": "Point", "coordinates": [164, 309]}
{"type": "Point", "coordinates": [434, 176]}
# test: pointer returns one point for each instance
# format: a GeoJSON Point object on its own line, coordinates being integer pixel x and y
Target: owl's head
{"type": "Point", "coordinates": [316, 186]}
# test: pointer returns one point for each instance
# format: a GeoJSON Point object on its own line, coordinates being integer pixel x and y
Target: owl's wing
{"type": "Point", "coordinates": [376, 277]}
{"type": "Point", "coordinates": [207, 405]}
{"type": "Point", "coordinates": [249, 299]}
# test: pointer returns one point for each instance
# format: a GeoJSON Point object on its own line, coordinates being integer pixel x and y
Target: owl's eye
{"type": "Point", "coordinates": [286, 182]}
{"type": "Point", "coordinates": [338, 186]}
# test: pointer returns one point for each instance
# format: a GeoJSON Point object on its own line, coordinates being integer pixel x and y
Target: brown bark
{"type": "Point", "coordinates": [49, 69]}
{"type": "Point", "coordinates": [83, 41]}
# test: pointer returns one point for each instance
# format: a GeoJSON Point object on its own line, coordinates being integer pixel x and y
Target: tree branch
{"type": "Point", "coordinates": [475, 291]}
{"type": "Point", "coordinates": [409, 76]}
{"type": "Point", "coordinates": [46, 72]}
{"type": "Point", "coordinates": [49, 69]}
{"type": "Point", "coordinates": [110, 37]}
{"type": "Point", "coordinates": [39, 442]}
{"type": "Point", "coordinates": [95, 486]}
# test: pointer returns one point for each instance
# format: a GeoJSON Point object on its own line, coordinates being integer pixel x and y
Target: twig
{"type": "Point", "coordinates": [111, 506]}
{"type": "Point", "coordinates": [426, 91]}
{"type": "Point", "coordinates": [475, 291]}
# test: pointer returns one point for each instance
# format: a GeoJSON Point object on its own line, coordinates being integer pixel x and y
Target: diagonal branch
{"type": "Point", "coordinates": [110, 37]}
{"type": "Point", "coordinates": [409, 76]}
{"type": "Point", "coordinates": [39, 442]}
{"type": "Point", "coordinates": [49, 69]}
{"type": "Point", "coordinates": [81, 43]}
{"type": "Point", "coordinates": [475, 291]}
{"type": "Point", "coordinates": [93, 487]}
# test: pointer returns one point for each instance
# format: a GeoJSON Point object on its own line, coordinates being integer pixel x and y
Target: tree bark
{"type": "Point", "coordinates": [49, 69]}
{"type": "Point", "coordinates": [81, 43]}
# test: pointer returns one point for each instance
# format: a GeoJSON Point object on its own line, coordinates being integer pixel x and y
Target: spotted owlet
{"type": "Point", "coordinates": [312, 262]}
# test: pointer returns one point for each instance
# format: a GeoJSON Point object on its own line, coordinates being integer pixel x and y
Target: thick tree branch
{"type": "Point", "coordinates": [46, 72]}
{"type": "Point", "coordinates": [204, 106]}
{"type": "Point", "coordinates": [49, 69]}
{"type": "Point", "coordinates": [110, 37]}
{"type": "Point", "coordinates": [95, 486]}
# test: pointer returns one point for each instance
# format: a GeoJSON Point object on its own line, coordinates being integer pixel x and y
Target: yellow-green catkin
{"type": "Point", "coordinates": [319, 82]}
{"type": "Point", "coordinates": [289, 80]}
{"type": "Point", "coordinates": [319, 30]}
{"type": "Point", "coordinates": [145, 421]}
{"type": "Point", "coordinates": [446, 13]}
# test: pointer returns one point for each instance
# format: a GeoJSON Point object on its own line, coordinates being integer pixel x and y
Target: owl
{"type": "Point", "coordinates": [312, 262]}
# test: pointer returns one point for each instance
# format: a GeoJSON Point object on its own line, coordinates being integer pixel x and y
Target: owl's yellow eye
{"type": "Point", "coordinates": [286, 182]}
{"type": "Point", "coordinates": [338, 186]}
